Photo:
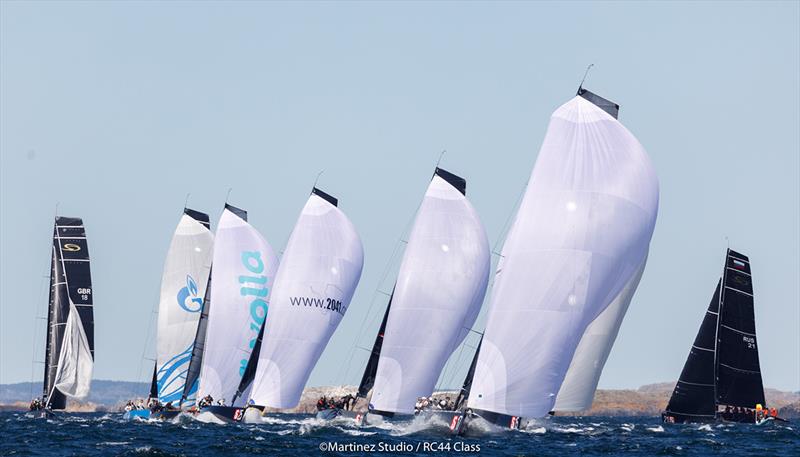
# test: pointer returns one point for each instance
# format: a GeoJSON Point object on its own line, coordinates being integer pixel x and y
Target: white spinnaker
{"type": "Point", "coordinates": [183, 286]}
{"type": "Point", "coordinates": [582, 230]}
{"type": "Point", "coordinates": [75, 363]}
{"type": "Point", "coordinates": [318, 275]}
{"type": "Point", "coordinates": [580, 382]}
{"type": "Point", "coordinates": [437, 297]}
{"type": "Point", "coordinates": [244, 271]}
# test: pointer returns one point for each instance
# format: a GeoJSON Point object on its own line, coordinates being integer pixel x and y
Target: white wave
{"type": "Point", "coordinates": [113, 443]}
{"type": "Point", "coordinates": [535, 431]}
{"type": "Point", "coordinates": [705, 427]}
{"type": "Point", "coordinates": [656, 429]}
{"type": "Point", "coordinates": [356, 432]}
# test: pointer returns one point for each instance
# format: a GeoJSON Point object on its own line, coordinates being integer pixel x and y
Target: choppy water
{"type": "Point", "coordinates": [297, 435]}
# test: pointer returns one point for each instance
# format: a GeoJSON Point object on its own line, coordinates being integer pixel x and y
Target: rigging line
{"type": "Point", "coordinates": [584, 76]}
{"type": "Point", "coordinates": [389, 264]}
{"type": "Point", "coordinates": [36, 317]}
{"type": "Point", "coordinates": [186, 202]}
{"type": "Point", "coordinates": [440, 157]}
{"type": "Point", "coordinates": [228, 195]}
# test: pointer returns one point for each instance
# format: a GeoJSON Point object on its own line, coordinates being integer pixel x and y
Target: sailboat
{"type": "Point", "coordinates": [244, 267]}
{"type": "Point", "coordinates": [435, 301]}
{"type": "Point", "coordinates": [581, 233]}
{"type": "Point", "coordinates": [722, 371]}
{"type": "Point", "coordinates": [317, 277]}
{"type": "Point", "coordinates": [69, 352]}
{"type": "Point", "coordinates": [183, 286]}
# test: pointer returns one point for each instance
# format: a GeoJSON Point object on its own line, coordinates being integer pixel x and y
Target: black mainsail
{"type": "Point", "coordinates": [722, 368]}
{"type": "Point", "coordinates": [69, 352]}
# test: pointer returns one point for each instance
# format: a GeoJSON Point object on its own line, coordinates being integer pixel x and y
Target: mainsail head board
{"type": "Point", "coordinates": [582, 230]}
{"type": "Point", "coordinates": [69, 353]}
{"type": "Point", "coordinates": [244, 274]}
{"type": "Point", "coordinates": [316, 280]}
{"type": "Point", "coordinates": [437, 297]}
{"type": "Point", "coordinates": [183, 284]}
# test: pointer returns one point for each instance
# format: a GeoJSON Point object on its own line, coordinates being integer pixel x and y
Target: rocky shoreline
{"type": "Point", "coordinates": [646, 401]}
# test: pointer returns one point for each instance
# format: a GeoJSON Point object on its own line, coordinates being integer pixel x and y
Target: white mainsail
{"type": "Point", "coordinates": [75, 362]}
{"type": "Point", "coordinates": [437, 297]}
{"type": "Point", "coordinates": [582, 230]}
{"type": "Point", "coordinates": [317, 277]}
{"type": "Point", "coordinates": [580, 382]}
{"type": "Point", "coordinates": [244, 271]}
{"type": "Point", "coordinates": [183, 286]}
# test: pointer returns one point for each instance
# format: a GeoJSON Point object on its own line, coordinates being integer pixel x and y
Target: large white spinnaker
{"type": "Point", "coordinates": [580, 382]}
{"type": "Point", "coordinates": [582, 230]}
{"type": "Point", "coordinates": [437, 297]}
{"type": "Point", "coordinates": [317, 277]}
{"type": "Point", "coordinates": [244, 271]}
{"type": "Point", "coordinates": [183, 286]}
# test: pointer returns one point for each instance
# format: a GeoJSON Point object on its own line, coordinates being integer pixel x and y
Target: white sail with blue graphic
{"type": "Point", "coordinates": [244, 271]}
{"type": "Point", "coordinates": [182, 289]}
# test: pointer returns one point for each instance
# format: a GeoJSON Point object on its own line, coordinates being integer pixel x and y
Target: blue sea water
{"type": "Point", "coordinates": [100, 434]}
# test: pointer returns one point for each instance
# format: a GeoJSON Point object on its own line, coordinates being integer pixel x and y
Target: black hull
{"type": "Point", "coordinates": [744, 418]}
{"type": "Point", "coordinates": [224, 414]}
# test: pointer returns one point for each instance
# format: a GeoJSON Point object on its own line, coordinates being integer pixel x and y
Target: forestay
{"type": "Point", "coordinates": [582, 230]}
{"type": "Point", "coordinates": [318, 275]}
{"type": "Point", "coordinates": [440, 287]}
{"type": "Point", "coordinates": [182, 289]}
{"type": "Point", "coordinates": [244, 271]}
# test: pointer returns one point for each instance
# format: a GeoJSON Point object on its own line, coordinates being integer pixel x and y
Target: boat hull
{"type": "Point", "coordinates": [220, 414]}
{"type": "Point", "coordinates": [140, 414]}
{"type": "Point", "coordinates": [739, 418]}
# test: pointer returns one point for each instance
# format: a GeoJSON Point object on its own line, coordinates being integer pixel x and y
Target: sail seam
{"type": "Point", "coordinates": [740, 369]}
{"type": "Point", "coordinates": [702, 349]}
{"type": "Point", "coordinates": [737, 330]}
{"type": "Point", "coordinates": [739, 271]}
{"type": "Point", "coordinates": [740, 291]}
{"type": "Point", "coordinates": [738, 258]}
{"type": "Point", "coordinates": [695, 383]}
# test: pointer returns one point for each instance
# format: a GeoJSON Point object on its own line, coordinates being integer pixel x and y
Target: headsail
{"type": "Point", "coordinates": [244, 271]}
{"type": "Point", "coordinates": [580, 383]}
{"type": "Point", "coordinates": [69, 357]}
{"type": "Point", "coordinates": [582, 230]}
{"type": "Point", "coordinates": [437, 296]}
{"type": "Point", "coordinates": [182, 289]}
{"type": "Point", "coordinates": [694, 393]}
{"type": "Point", "coordinates": [318, 275]}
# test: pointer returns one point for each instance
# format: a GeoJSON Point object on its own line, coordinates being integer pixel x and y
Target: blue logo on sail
{"type": "Point", "coordinates": [172, 378]}
{"type": "Point", "coordinates": [188, 298]}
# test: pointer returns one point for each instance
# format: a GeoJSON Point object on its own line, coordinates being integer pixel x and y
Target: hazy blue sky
{"type": "Point", "coordinates": [118, 110]}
